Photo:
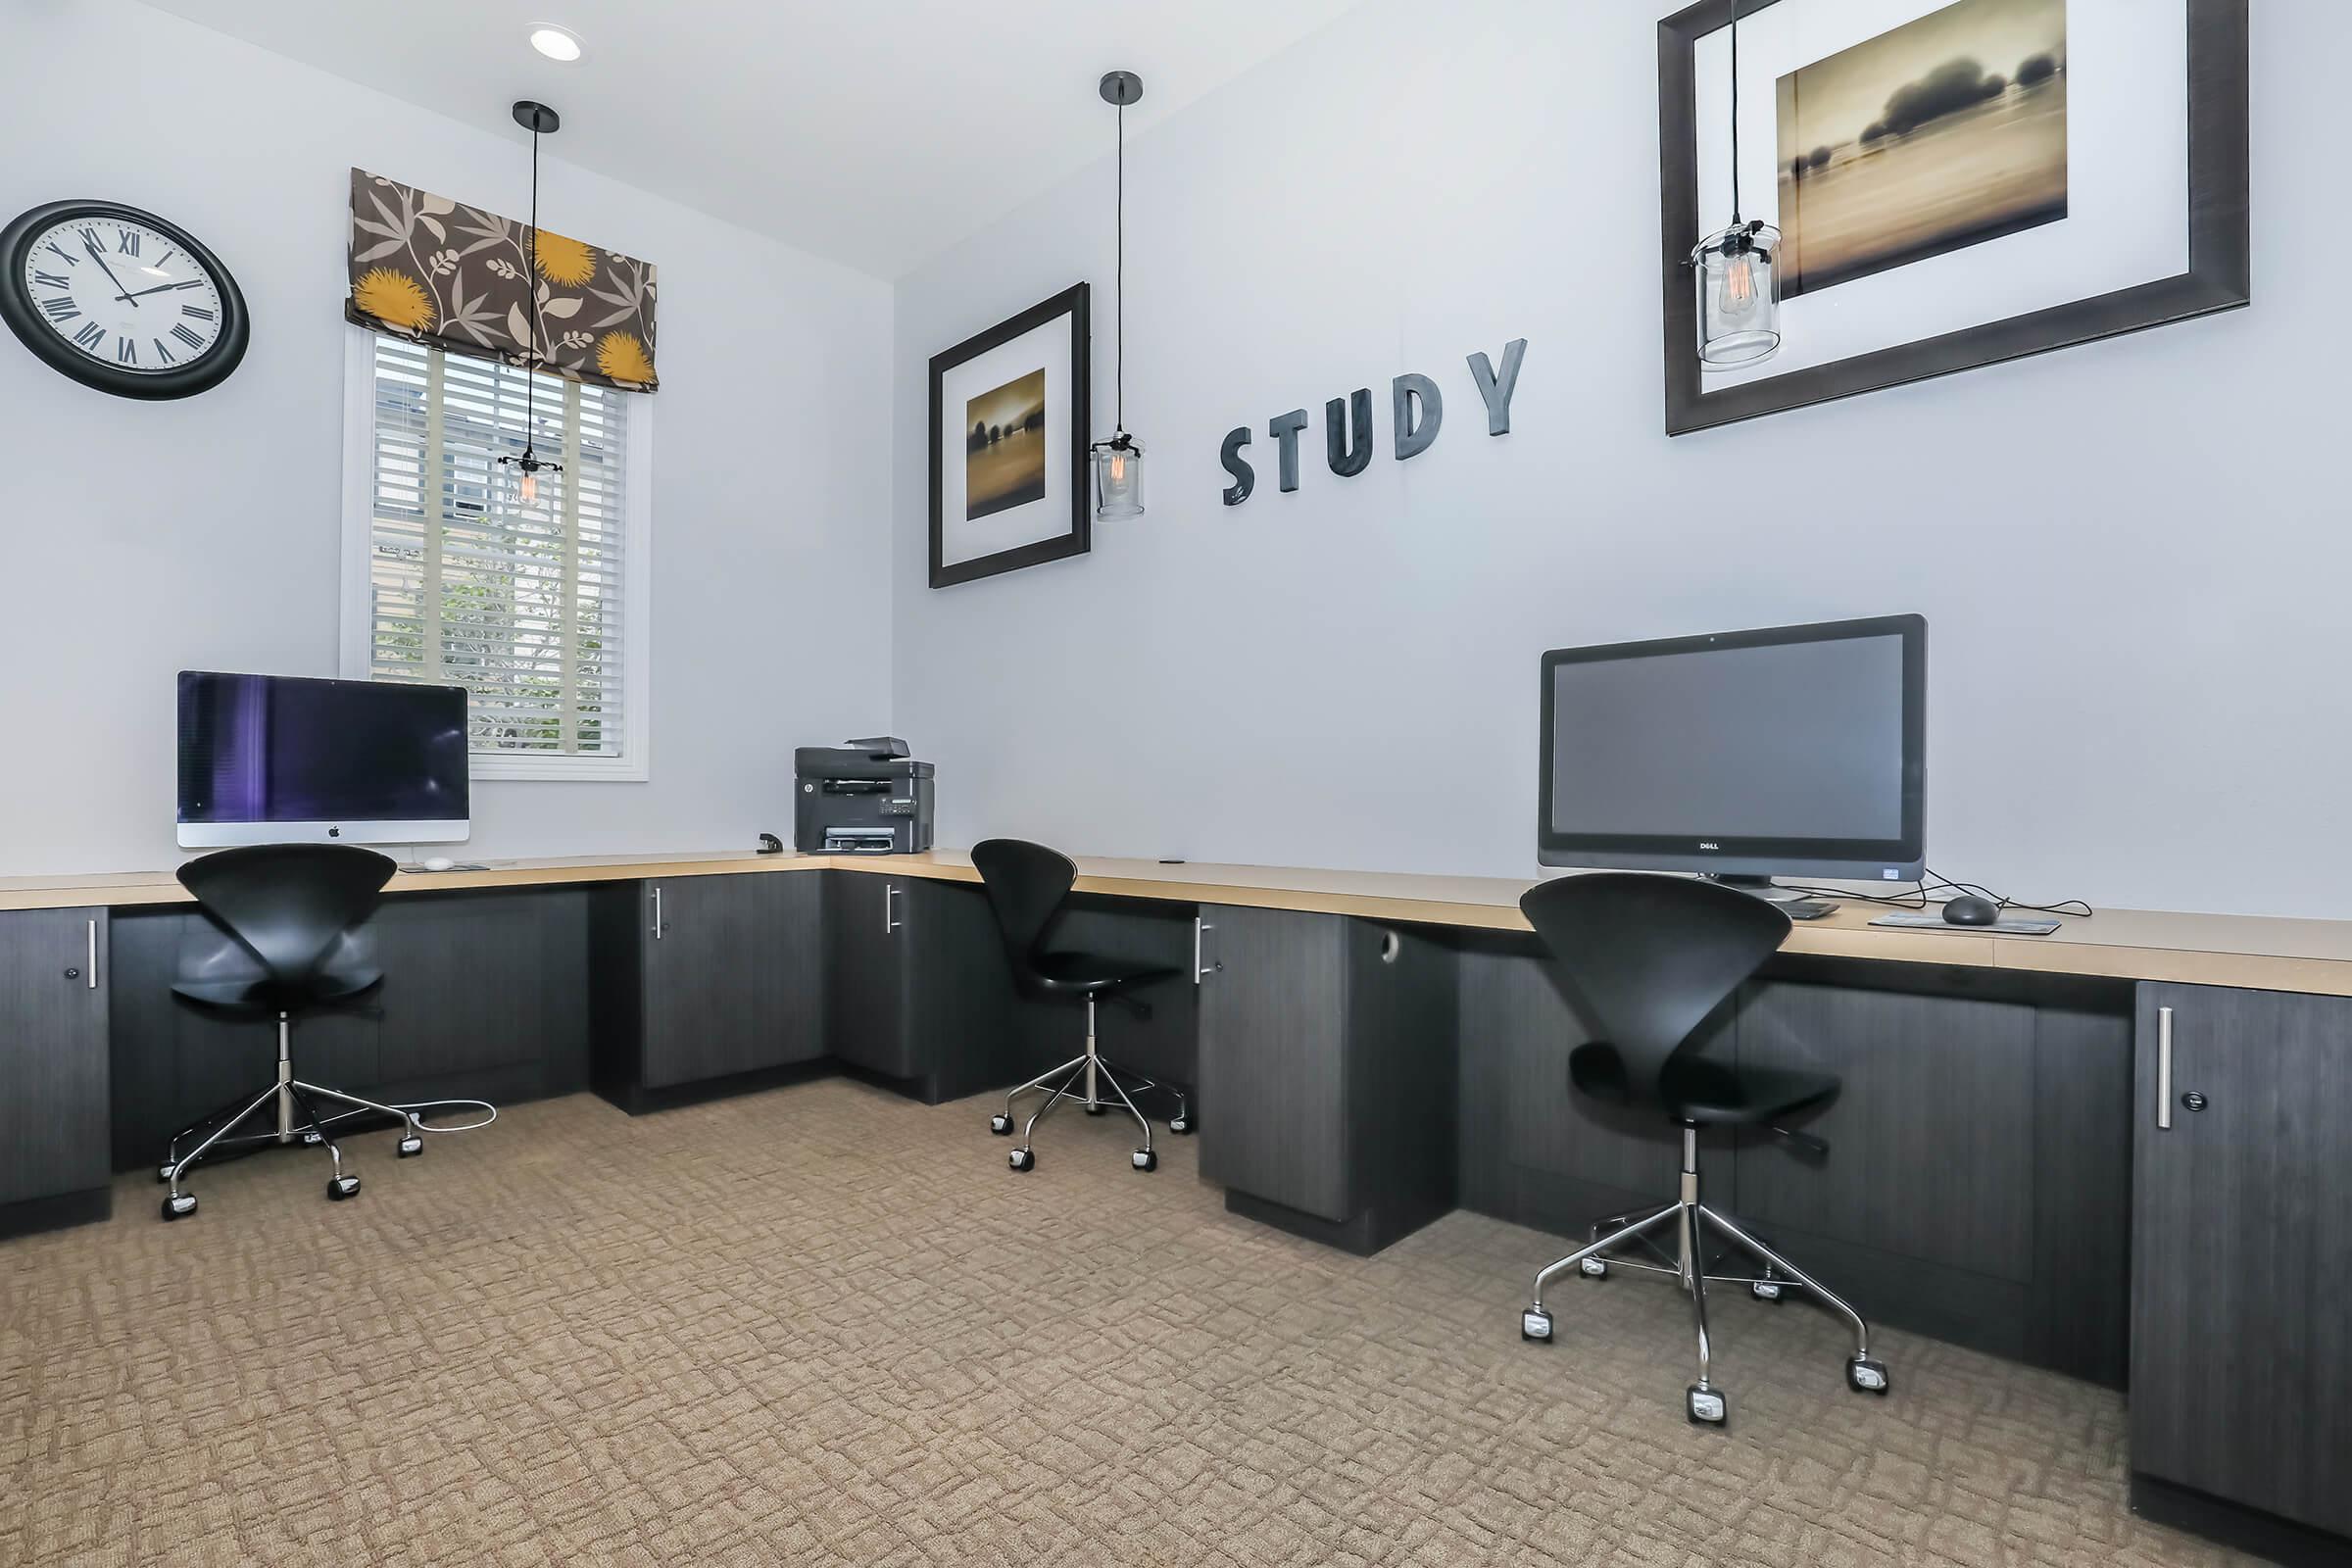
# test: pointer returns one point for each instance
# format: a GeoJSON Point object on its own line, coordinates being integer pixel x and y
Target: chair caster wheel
{"type": "Point", "coordinates": [343, 1187]}
{"type": "Point", "coordinates": [1002, 1126]}
{"type": "Point", "coordinates": [1765, 1289]}
{"type": "Point", "coordinates": [180, 1207]}
{"type": "Point", "coordinates": [1180, 1125]}
{"type": "Point", "coordinates": [410, 1147]}
{"type": "Point", "coordinates": [1022, 1159]}
{"type": "Point", "coordinates": [1705, 1407]}
{"type": "Point", "coordinates": [1146, 1159]}
{"type": "Point", "coordinates": [1536, 1324]}
{"type": "Point", "coordinates": [1865, 1376]}
{"type": "Point", "coordinates": [1593, 1268]}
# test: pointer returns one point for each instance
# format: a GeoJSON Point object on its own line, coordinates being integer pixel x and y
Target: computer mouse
{"type": "Point", "coordinates": [1968, 909]}
{"type": "Point", "coordinates": [442, 862]}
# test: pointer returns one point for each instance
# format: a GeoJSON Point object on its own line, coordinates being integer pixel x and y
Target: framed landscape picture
{"type": "Point", "coordinates": [1009, 419]}
{"type": "Point", "coordinates": [1956, 183]}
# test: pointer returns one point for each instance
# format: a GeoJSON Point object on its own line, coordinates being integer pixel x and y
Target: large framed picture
{"type": "Point", "coordinates": [1956, 183]}
{"type": "Point", "coordinates": [1009, 419]}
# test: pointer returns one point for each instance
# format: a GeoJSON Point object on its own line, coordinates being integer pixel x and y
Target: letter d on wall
{"type": "Point", "coordinates": [1410, 392]}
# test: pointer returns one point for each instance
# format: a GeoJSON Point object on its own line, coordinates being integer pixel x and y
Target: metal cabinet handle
{"type": "Point", "coordinates": [889, 925]}
{"type": "Point", "coordinates": [1202, 971]}
{"type": "Point", "coordinates": [657, 914]}
{"type": "Point", "coordinates": [92, 970]}
{"type": "Point", "coordinates": [2164, 1069]}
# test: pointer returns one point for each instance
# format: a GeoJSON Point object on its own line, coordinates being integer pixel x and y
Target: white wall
{"type": "Point", "coordinates": [138, 539]}
{"type": "Point", "coordinates": [2134, 556]}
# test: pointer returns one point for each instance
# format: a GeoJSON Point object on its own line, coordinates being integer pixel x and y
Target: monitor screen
{"type": "Point", "coordinates": [270, 758]}
{"type": "Point", "coordinates": [1795, 750]}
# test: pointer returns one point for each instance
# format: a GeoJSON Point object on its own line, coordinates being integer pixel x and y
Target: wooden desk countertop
{"type": "Point", "coordinates": [2258, 951]}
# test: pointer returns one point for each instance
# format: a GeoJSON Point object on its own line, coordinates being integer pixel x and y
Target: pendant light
{"type": "Point", "coordinates": [1738, 284]}
{"type": "Point", "coordinates": [538, 120]}
{"type": "Point", "coordinates": [1119, 461]}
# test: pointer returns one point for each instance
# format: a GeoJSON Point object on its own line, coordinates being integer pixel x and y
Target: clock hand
{"type": "Point", "coordinates": [160, 288]}
{"type": "Point", "coordinates": [91, 245]}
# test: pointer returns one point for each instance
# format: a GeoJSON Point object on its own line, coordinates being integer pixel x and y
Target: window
{"type": "Point", "coordinates": [537, 609]}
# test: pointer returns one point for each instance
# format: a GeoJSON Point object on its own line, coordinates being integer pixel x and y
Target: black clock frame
{"type": "Point", "coordinates": [17, 307]}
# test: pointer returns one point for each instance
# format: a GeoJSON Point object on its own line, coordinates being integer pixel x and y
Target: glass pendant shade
{"type": "Point", "coordinates": [1739, 295]}
{"type": "Point", "coordinates": [1119, 478]}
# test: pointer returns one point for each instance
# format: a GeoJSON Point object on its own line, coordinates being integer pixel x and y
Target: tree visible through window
{"type": "Point", "coordinates": [521, 602]}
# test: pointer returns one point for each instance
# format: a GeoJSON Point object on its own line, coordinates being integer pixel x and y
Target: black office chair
{"type": "Point", "coordinates": [1647, 959]}
{"type": "Point", "coordinates": [296, 912]}
{"type": "Point", "coordinates": [1026, 884]}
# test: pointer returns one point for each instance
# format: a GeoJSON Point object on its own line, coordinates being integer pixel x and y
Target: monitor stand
{"type": "Point", "coordinates": [1763, 887]}
{"type": "Point", "coordinates": [1797, 906]}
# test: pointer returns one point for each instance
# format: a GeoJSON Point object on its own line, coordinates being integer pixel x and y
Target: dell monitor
{"type": "Point", "coordinates": [276, 760]}
{"type": "Point", "coordinates": [1796, 751]}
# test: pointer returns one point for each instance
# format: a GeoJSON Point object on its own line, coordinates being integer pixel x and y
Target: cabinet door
{"type": "Point", "coordinates": [53, 1052]}
{"type": "Point", "coordinates": [1273, 1058]}
{"type": "Point", "coordinates": [870, 919]}
{"type": "Point", "coordinates": [720, 979]}
{"type": "Point", "coordinates": [2242, 1249]}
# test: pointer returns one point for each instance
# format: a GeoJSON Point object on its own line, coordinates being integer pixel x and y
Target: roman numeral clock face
{"type": "Point", "coordinates": [121, 301]}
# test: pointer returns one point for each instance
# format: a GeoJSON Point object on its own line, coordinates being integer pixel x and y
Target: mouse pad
{"type": "Point", "coordinates": [2008, 925]}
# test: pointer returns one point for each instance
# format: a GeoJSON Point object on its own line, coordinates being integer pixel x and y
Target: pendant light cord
{"type": "Point", "coordinates": [530, 284]}
{"type": "Point", "coordinates": [1734, 114]}
{"type": "Point", "coordinates": [1119, 380]}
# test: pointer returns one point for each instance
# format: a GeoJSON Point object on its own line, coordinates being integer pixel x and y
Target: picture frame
{"type": "Point", "coordinates": [2217, 277]}
{"type": "Point", "coordinates": [1011, 412]}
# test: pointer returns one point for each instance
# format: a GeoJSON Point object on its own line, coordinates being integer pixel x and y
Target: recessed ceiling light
{"type": "Point", "coordinates": [556, 43]}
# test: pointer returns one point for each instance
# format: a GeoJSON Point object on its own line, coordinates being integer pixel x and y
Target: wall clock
{"type": "Point", "coordinates": [120, 300]}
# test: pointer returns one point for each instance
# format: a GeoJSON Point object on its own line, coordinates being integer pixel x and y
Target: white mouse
{"type": "Point", "coordinates": [437, 862]}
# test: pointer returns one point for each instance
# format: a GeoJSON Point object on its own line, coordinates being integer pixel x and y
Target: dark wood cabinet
{"type": "Point", "coordinates": [919, 989]}
{"type": "Point", "coordinates": [1327, 1072]}
{"type": "Point", "coordinates": [867, 932]}
{"type": "Point", "coordinates": [733, 976]}
{"type": "Point", "coordinates": [53, 973]}
{"type": "Point", "coordinates": [703, 978]}
{"type": "Point", "coordinates": [2241, 1238]}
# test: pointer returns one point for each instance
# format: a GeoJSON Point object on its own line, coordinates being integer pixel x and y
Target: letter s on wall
{"type": "Point", "coordinates": [1244, 477]}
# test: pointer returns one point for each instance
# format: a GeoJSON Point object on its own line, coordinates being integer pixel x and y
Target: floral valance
{"type": "Point", "coordinates": [434, 270]}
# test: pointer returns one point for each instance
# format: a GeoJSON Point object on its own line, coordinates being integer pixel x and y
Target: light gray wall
{"type": "Point", "coordinates": [138, 539]}
{"type": "Point", "coordinates": [2132, 555]}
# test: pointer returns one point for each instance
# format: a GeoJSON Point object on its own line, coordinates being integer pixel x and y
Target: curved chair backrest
{"type": "Point", "coordinates": [1648, 956]}
{"type": "Point", "coordinates": [1026, 884]}
{"type": "Point", "coordinates": [292, 903]}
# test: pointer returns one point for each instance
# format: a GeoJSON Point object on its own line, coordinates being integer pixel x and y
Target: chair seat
{"type": "Point", "coordinates": [267, 995]}
{"type": "Point", "coordinates": [1695, 1089]}
{"type": "Point", "coordinates": [1092, 973]}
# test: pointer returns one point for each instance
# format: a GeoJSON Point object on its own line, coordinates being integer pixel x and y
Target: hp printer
{"type": "Point", "coordinates": [864, 797]}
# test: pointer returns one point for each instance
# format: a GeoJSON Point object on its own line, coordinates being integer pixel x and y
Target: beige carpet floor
{"type": "Point", "coordinates": [827, 1325]}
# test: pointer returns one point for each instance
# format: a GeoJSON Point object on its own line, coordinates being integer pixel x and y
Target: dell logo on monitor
{"type": "Point", "coordinates": [1709, 844]}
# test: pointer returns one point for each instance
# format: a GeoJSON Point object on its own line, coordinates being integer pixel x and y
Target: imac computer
{"type": "Point", "coordinates": [1797, 750]}
{"type": "Point", "coordinates": [276, 759]}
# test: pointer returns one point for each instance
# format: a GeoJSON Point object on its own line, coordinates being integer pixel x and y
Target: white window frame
{"type": "Point", "coordinates": [635, 763]}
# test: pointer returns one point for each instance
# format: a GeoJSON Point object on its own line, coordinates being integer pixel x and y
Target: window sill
{"type": "Point", "coordinates": [562, 769]}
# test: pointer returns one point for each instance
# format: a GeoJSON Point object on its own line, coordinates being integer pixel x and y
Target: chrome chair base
{"type": "Point", "coordinates": [1061, 1083]}
{"type": "Point", "coordinates": [1704, 1402]}
{"type": "Point", "coordinates": [299, 1121]}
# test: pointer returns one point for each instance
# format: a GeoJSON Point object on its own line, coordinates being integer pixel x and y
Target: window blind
{"type": "Point", "coordinates": [520, 604]}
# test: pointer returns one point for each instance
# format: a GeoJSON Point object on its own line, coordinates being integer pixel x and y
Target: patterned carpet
{"type": "Point", "coordinates": [827, 1325]}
